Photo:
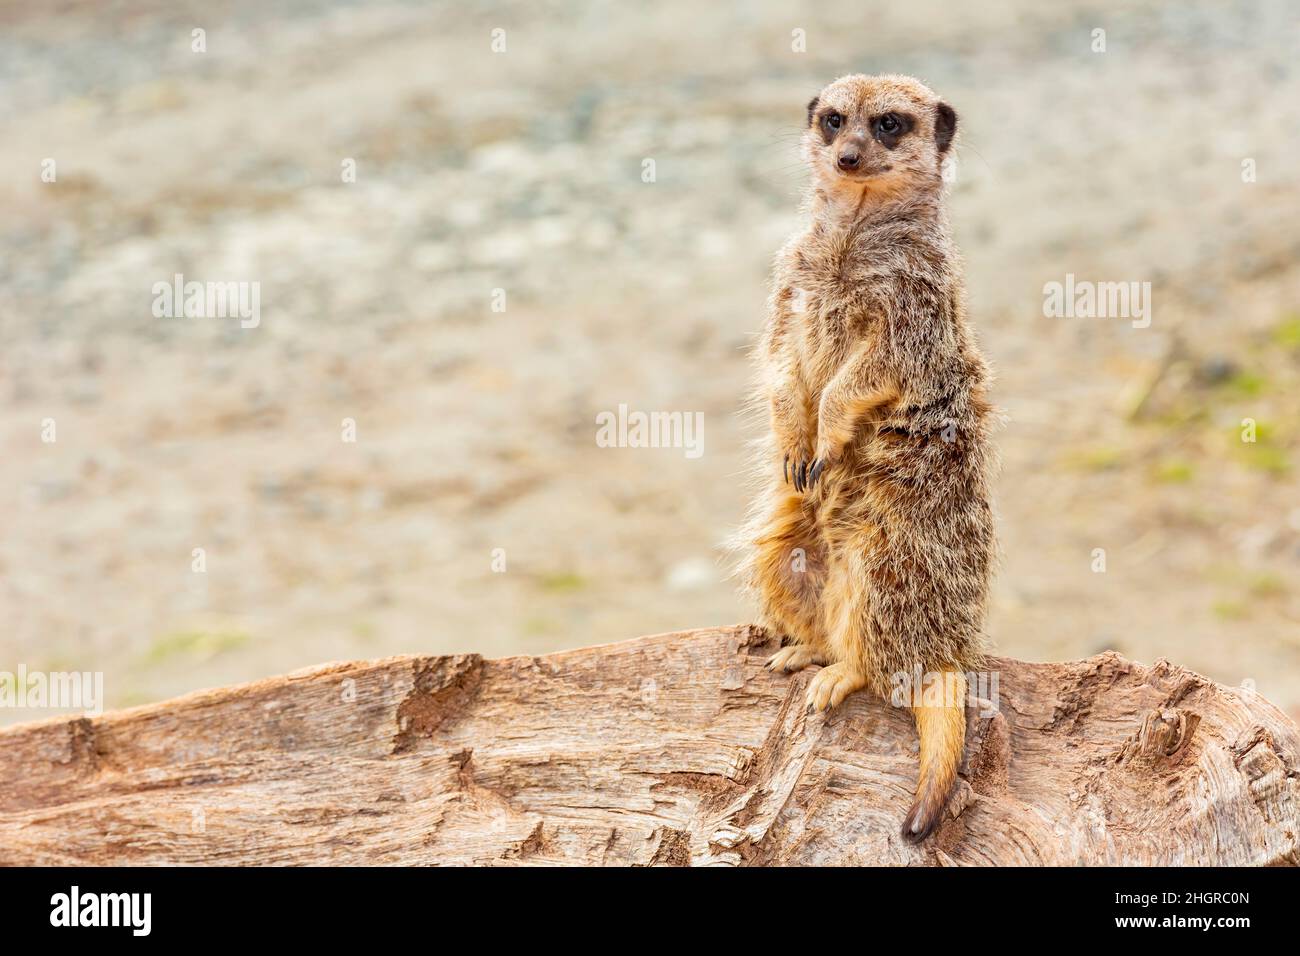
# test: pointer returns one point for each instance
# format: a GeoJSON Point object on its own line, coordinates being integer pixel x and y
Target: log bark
{"type": "Point", "coordinates": [675, 749]}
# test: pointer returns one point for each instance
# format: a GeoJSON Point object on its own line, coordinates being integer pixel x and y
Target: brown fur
{"type": "Point", "coordinates": [871, 541]}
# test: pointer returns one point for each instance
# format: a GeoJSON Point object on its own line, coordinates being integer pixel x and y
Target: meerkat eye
{"type": "Point", "coordinates": [833, 120]}
{"type": "Point", "coordinates": [889, 123]}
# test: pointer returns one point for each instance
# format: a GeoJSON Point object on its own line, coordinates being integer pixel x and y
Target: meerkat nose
{"type": "Point", "coordinates": [849, 160]}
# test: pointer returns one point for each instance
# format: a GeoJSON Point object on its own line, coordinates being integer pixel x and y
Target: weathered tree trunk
{"type": "Point", "coordinates": [674, 749]}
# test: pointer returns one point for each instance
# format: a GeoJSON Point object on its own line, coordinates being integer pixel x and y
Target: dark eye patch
{"type": "Point", "coordinates": [889, 128]}
{"type": "Point", "coordinates": [831, 123]}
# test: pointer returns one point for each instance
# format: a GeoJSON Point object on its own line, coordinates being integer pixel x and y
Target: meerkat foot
{"type": "Point", "coordinates": [831, 685]}
{"type": "Point", "coordinates": [794, 658]}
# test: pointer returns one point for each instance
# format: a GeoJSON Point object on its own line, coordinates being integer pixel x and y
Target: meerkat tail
{"type": "Point", "coordinates": [943, 734]}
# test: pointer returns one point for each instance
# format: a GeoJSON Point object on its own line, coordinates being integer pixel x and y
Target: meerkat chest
{"type": "Point", "coordinates": [832, 321]}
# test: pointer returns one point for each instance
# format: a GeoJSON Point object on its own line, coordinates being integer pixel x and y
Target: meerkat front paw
{"type": "Point", "coordinates": [831, 685]}
{"type": "Point", "coordinates": [794, 658]}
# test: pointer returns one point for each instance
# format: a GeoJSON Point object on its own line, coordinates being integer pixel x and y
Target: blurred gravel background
{"type": "Point", "coordinates": [476, 429]}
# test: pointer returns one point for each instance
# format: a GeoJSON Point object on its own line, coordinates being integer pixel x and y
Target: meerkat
{"type": "Point", "coordinates": [871, 543]}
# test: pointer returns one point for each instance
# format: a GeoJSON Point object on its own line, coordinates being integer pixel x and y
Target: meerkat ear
{"type": "Point", "coordinates": [812, 108]}
{"type": "Point", "coordinates": [945, 126]}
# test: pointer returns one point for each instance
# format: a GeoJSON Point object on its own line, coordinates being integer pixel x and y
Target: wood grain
{"type": "Point", "coordinates": [677, 749]}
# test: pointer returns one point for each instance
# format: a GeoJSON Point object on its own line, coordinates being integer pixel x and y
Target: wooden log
{"type": "Point", "coordinates": [669, 750]}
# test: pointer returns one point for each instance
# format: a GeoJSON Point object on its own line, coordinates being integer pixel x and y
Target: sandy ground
{"type": "Point", "coordinates": [475, 428]}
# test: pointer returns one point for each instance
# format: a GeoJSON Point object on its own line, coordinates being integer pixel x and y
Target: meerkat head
{"type": "Point", "coordinates": [883, 135]}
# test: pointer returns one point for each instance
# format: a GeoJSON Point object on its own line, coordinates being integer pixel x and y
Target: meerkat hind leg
{"type": "Point", "coordinates": [844, 620]}
{"type": "Point", "coordinates": [790, 570]}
